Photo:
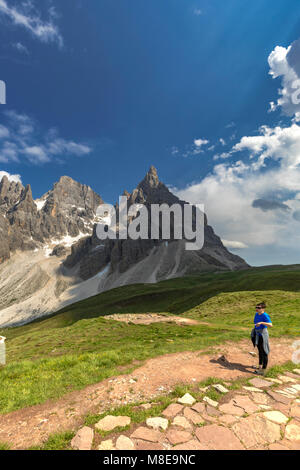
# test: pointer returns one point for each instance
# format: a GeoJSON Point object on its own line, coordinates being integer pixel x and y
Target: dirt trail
{"type": "Point", "coordinates": [31, 426]}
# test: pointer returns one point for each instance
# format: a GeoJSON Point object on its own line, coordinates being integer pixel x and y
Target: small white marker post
{"type": "Point", "coordinates": [2, 351]}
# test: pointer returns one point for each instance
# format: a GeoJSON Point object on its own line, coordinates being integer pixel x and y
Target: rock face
{"type": "Point", "coordinates": [150, 260]}
{"type": "Point", "coordinates": [68, 209]}
{"type": "Point", "coordinates": [50, 255]}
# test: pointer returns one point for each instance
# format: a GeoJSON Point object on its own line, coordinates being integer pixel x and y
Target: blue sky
{"type": "Point", "coordinates": [100, 90]}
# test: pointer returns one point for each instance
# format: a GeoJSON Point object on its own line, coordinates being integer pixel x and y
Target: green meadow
{"type": "Point", "coordinates": [78, 346]}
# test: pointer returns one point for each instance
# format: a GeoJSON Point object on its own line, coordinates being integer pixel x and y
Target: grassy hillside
{"type": "Point", "coordinates": [77, 346]}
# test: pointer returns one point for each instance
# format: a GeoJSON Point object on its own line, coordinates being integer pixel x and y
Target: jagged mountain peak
{"type": "Point", "coordinates": [10, 193]}
{"type": "Point", "coordinates": [151, 179]}
{"type": "Point", "coordinates": [27, 193]}
{"type": "Point", "coordinates": [61, 224]}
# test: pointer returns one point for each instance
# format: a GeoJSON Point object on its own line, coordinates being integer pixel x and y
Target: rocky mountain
{"type": "Point", "coordinates": [150, 260]}
{"type": "Point", "coordinates": [67, 210]}
{"type": "Point", "coordinates": [50, 255]}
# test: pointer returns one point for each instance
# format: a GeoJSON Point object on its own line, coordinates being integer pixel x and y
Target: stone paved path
{"type": "Point", "coordinates": [262, 415]}
{"type": "Point", "coordinates": [157, 376]}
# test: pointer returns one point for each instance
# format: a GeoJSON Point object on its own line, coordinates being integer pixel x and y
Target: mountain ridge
{"type": "Point", "coordinates": [50, 255]}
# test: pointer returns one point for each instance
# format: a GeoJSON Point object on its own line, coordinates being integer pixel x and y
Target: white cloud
{"type": "Point", "coordinates": [4, 132]}
{"type": "Point", "coordinates": [200, 142]}
{"type": "Point", "coordinates": [61, 146]}
{"type": "Point", "coordinates": [279, 143]}
{"type": "Point", "coordinates": [27, 18]}
{"type": "Point", "coordinates": [192, 149]}
{"type": "Point", "coordinates": [282, 62]}
{"type": "Point", "coordinates": [234, 245]}
{"type": "Point", "coordinates": [15, 178]}
{"type": "Point", "coordinates": [229, 191]}
{"type": "Point", "coordinates": [22, 137]}
{"type": "Point", "coordinates": [254, 204]}
{"type": "Point", "coordinates": [36, 154]}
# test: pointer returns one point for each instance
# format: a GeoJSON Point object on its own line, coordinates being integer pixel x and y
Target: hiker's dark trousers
{"type": "Point", "coordinates": [263, 357]}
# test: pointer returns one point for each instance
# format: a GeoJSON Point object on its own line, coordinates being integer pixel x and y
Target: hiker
{"type": "Point", "coordinates": [260, 337]}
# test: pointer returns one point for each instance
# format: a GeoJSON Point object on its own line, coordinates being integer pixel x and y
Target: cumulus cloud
{"type": "Point", "coordinates": [15, 178]}
{"type": "Point", "coordinates": [200, 142]}
{"type": "Point", "coordinates": [284, 64]}
{"type": "Point", "coordinates": [229, 190]}
{"type": "Point", "coordinates": [252, 195]}
{"type": "Point", "coordinates": [22, 137]}
{"type": "Point", "coordinates": [279, 143]}
{"type": "Point", "coordinates": [192, 149]}
{"type": "Point", "coordinates": [25, 16]}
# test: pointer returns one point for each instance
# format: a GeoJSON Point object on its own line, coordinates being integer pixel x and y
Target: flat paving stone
{"type": "Point", "coordinates": [172, 410]}
{"type": "Point", "coordinates": [260, 398]}
{"type": "Point", "coordinates": [209, 418]}
{"type": "Point", "coordinates": [175, 436]}
{"type": "Point", "coordinates": [275, 381]}
{"type": "Point", "coordinates": [217, 437]}
{"type": "Point", "coordinates": [231, 409]}
{"type": "Point", "coordinates": [291, 390]}
{"type": "Point", "coordinates": [210, 401]}
{"type": "Point", "coordinates": [124, 443]}
{"type": "Point", "coordinates": [181, 422]}
{"type": "Point", "coordinates": [187, 399]}
{"type": "Point", "coordinates": [193, 416]}
{"type": "Point", "coordinates": [108, 423]}
{"type": "Point", "coordinates": [244, 402]}
{"type": "Point", "coordinates": [211, 411]}
{"type": "Point", "coordinates": [228, 419]}
{"type": "Point", "coordinates": [285, 409]}
{"type": "Point", "coordinates": [83, 439]}
{"type": "Point", "coordinates": [290, 374]}
{"type": "Point", "coordinates": [146, 434]}
{"type": "Point", "coordinates": [292, 431]}
{"type": "Point", "coordinates": [277, 446]}
{"type": "Point", "coordinates": [144, 445]}
{"type": "Point", "coordinates": [295, 412]}
{"type": "Point", "coordinates": [296, 387]}
{"type": "Point", "coordinates": [253, 389]}
{"type": "Point", "coordinates": [276, 417]}
{"type": "Point", "coordinates": [106, 445]}
{"type": "Point", "coordinates": [157, 422]}
{"type": "Point", "coordinates": [285, 394]}
{"type": "Point", "coordinates": [199, 407]}
{"type": "Point", "coordinates": [279, 397]}
{"type": "Point", "coordinates": [297, 371]}
{"type": "Point", "coordinates": [286, 379]}
{"type": "Point", "coordinates": [293, 445]}
{"type": "Point", "coordinates": [260, 383]}
{"type": "Point", "coordinates": [256, 430]}
{"type": "Point", "coordinates": [190, 445]}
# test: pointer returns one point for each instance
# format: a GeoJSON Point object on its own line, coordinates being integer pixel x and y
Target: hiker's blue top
{"type": "Point", "coordinates": [261, 317]}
